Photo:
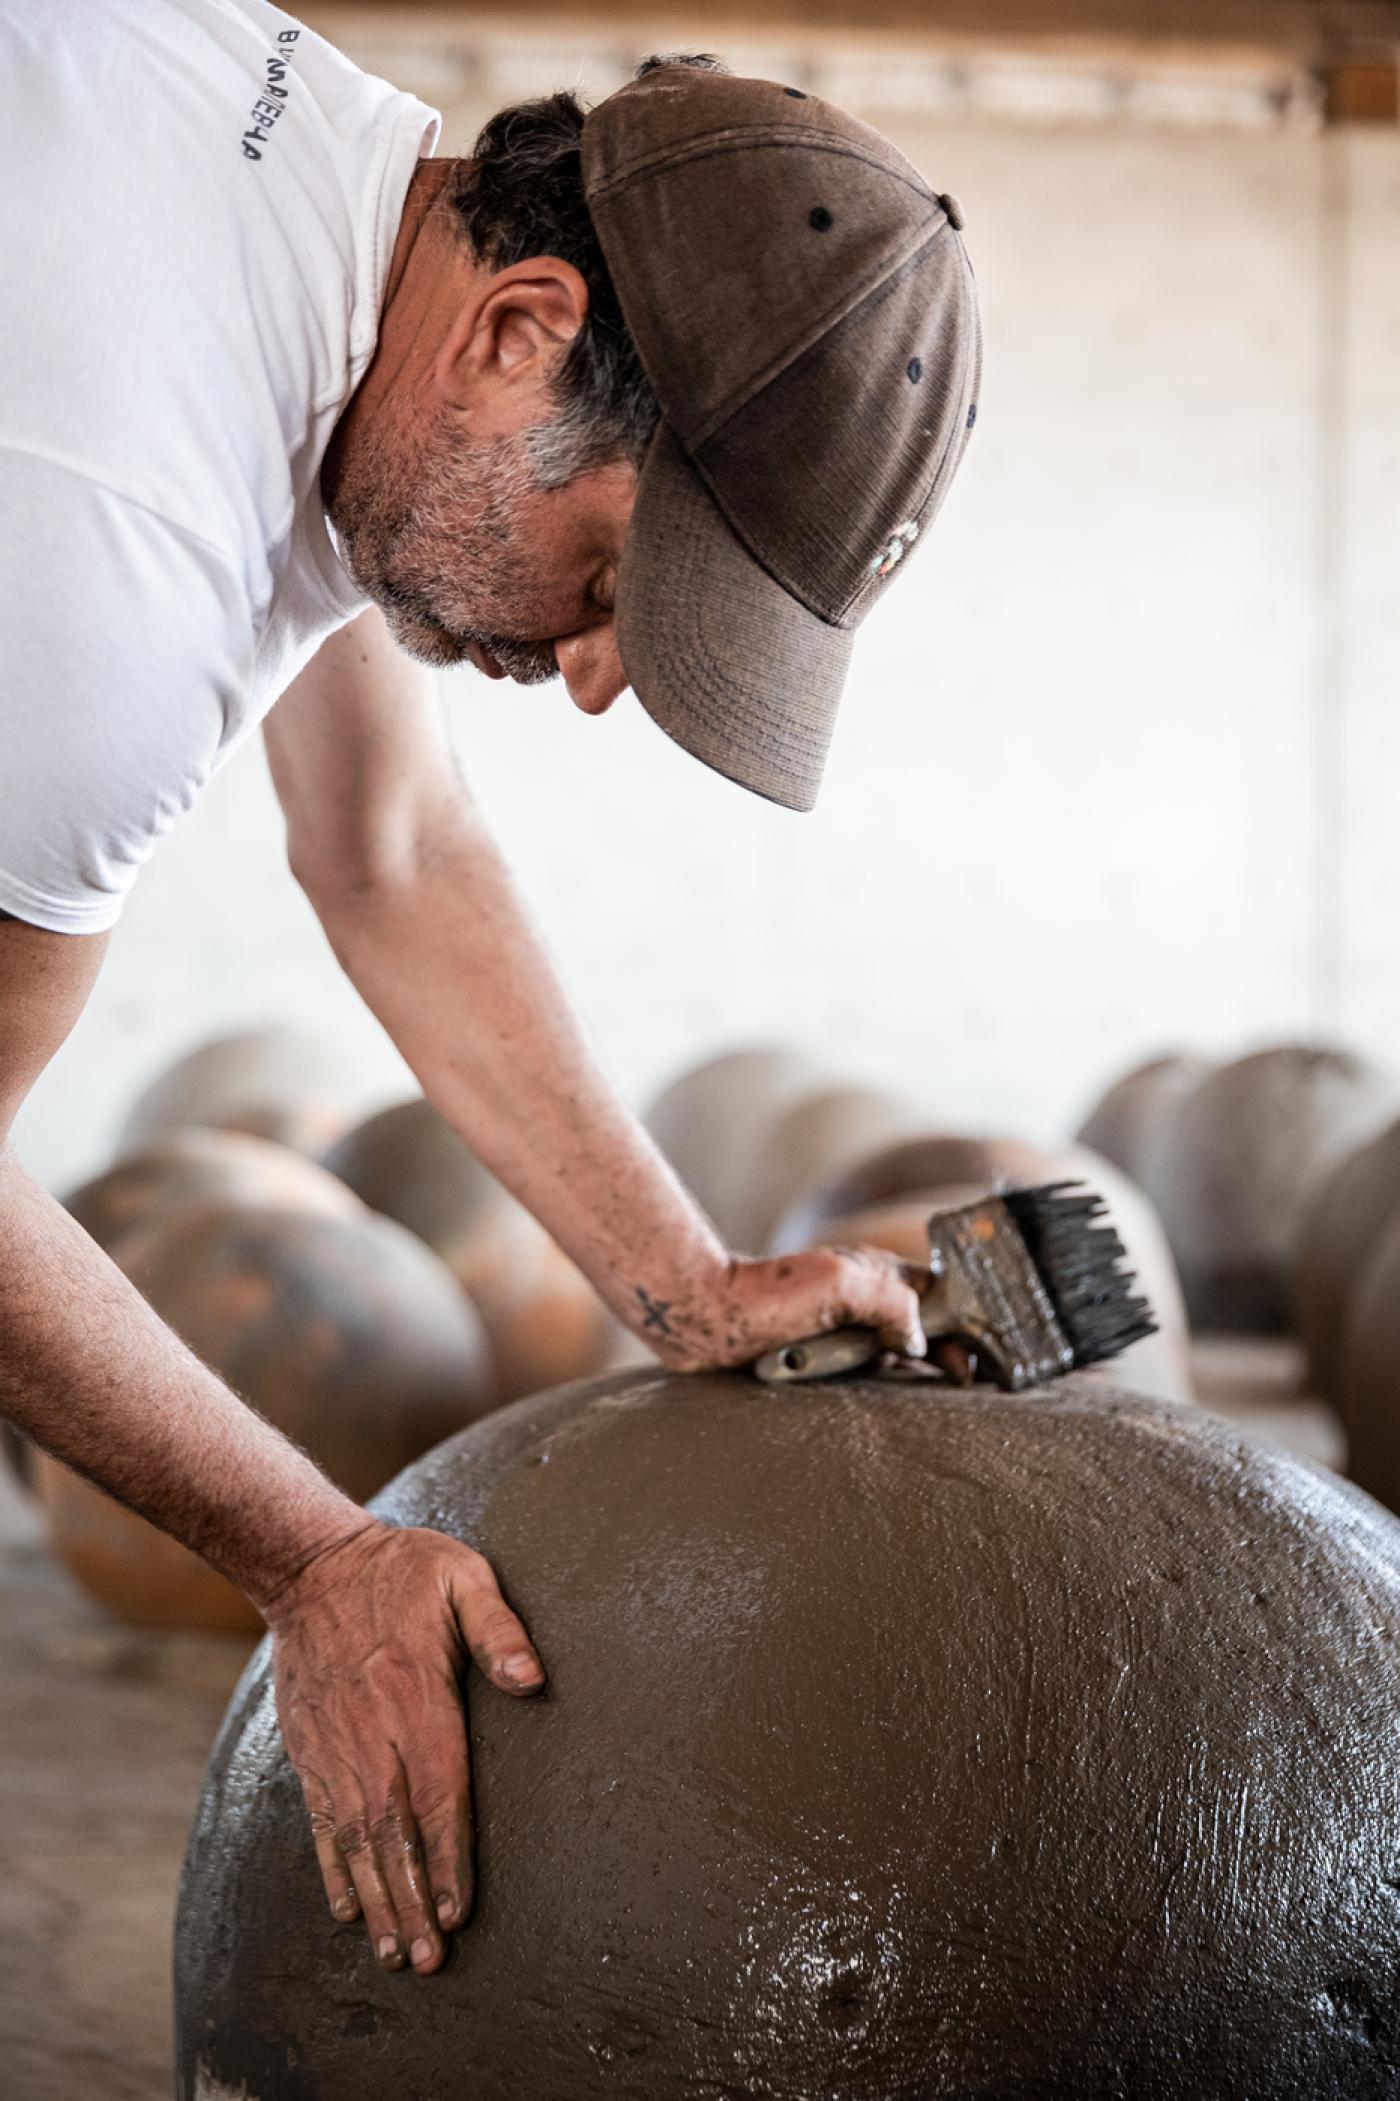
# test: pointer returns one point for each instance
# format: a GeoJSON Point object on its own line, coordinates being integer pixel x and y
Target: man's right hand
{"type": "Point", "coordinates": [744, 1307]}
{"type": "Point", "coordinates": [370, 1642]}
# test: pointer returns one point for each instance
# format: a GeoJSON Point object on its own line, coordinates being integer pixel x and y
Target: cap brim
{"type": "Point", "coordinates": [722, 657]}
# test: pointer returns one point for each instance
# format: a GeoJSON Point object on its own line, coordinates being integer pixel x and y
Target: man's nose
{"type": "Point", "coordinates": [591, 667]}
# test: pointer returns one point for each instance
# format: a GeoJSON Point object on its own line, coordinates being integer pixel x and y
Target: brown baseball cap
{"type": "Point", "coordinates": [804, 309]}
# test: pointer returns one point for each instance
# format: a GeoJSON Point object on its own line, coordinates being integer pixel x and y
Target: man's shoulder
{"type": "Point", "coordinates": [41, 478]}
{"type": "Point", "coordinates": [126, 648]}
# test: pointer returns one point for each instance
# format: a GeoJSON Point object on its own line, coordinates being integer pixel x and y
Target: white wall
{"type": "Point", "coordinates": [1119, 754]}
{"type": "Point", "coordinates": [1360, 718]}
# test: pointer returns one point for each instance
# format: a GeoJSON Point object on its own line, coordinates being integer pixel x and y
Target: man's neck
{"type": "Point", "coordinates": [407, 292]}
{"type": "Point", "coordinates": [425, 187]}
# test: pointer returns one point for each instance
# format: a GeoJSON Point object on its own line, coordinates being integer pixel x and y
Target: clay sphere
{"type": "Point", "coordinates": [898, 1742]}
{"type": "Point", "coordinates": [285, 1084]}
{"type": "Point", "coordinates": [544, 1320]}
{"type": "Point", "coordinates": [1232, 1170]}
{"type": "Point", "coordinates": [1368, 1371]}
{"type": "Point", "coordinates": [940, 1160]}
{"type": "Point", "coordinates": [190, 1167]}
{"type": "Point", "coordinates": [343, 1331]}
{"type": "Point", "coordinates": [1345, 1217]}
{"type": "Point", "coordinates": [711, 1119]}
{"type": "Point", "coordinates": [888, 1206]}
{"type": "Point", "coordinates": [809, 1142]}
{"type": "Point", "coordinates": [1123, 1123]}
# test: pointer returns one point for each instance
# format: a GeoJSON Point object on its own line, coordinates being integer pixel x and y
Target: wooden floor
{"type": "Point", "coordinates": [104, 1740]}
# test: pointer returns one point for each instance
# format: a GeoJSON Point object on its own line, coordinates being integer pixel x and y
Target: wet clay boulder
{"type": "Point", "coordinates": [1345, 1218]}
{"type": "Point", "coordinates": [898, 1743]}
{"type": "Point", "coordinates": [545, 1322]}
{"type": "Point", "coordinates": [1123, 1124]}
{"type": "Point", "coordinates": [885, 1200]}
{"type": "Point", "coordinates": [1232, 1170]}
{"type": "Point", "coordinates": [290, 1085]}
{"type": "Point", "coordinates": [343, 1331]}
{"type": "Point", "coordinates": [1368, 1372]}
{"type": "Point", "coordinates": [194, 1167]}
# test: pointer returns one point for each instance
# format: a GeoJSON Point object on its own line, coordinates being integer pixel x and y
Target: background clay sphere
{"type": "Point", "coordinates": [1368, 1372]}
{"type": "Point", "coordinates": [886, 1199]}
{"type": "Point", "coordinates": [286, 1084]}
{"type": "Point", "coordinates": [948, 1160]}
{"type": "Point", "coordinates": [750, 1132]}
{"type": "Point", "coordinates": [898, 1742]}
{"type": "Point", "coordinates": [166, 1175]}
{"type": "Point", "coordinates": [544, 1320]}
{"type": "Point", "coordinates": [711, 1119]}
{"type": "Point", "coordinates": [194, 1167]}
{"type": "Point", "coordinates": [1231, 1173]}
{"type": "Point", "coordinates": [1123, 1124]}
{"type": "Point", "coordinates": [1343, 1223]}
{"type": "Point", "coordinates": [343, 1331]}
{"type": "Point", "coordinates": [809, 1141]}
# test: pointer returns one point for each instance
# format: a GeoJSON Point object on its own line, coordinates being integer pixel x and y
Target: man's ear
{"type": "Point", "coordinates": [503, 349]}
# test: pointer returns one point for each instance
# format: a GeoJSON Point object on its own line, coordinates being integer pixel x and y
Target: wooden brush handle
{"type": "Point", "coordinates": [820, 1356]}
{"type": "Point", "coordinates": [846, 1349]}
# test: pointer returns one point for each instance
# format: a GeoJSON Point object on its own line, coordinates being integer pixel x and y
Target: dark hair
{"type": "Point", "coordinates": [521, 194]}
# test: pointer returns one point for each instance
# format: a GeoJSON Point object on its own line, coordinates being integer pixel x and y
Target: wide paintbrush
{"type": "Point", "coordinates": [1032, 1280]}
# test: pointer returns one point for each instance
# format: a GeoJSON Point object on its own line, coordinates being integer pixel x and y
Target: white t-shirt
{"type": "Point", "coordinates": [200, 202]}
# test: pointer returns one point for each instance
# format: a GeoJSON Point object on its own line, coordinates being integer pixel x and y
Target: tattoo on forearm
{"type": "Point", "coordinates": [656, 1311]}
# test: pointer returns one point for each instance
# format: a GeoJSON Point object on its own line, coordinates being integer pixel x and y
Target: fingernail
{"type": "Point", "coordinates": [422, 1951]}
{"type": "Point", "coordinates": [345, 1907]}
{"type": "Point", "coordinates": [388, 1949]}
{"type": "Point", "coordinates": [521, 1670]}
{"type": "Point", "coordinates": [447, 1909]}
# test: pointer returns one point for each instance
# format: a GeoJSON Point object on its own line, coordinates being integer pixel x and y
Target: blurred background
{"type": "Point", "coordinates": [1117, 762]}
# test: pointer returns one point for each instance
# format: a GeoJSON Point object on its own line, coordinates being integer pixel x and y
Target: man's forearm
{"type": "Point", "coordinates": [451, 963]}
{"type": "Point", "coordinates": [91, 1374]}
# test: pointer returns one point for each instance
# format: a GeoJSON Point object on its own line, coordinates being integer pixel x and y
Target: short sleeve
{"type": "Point", "coordinates": [125, 648]}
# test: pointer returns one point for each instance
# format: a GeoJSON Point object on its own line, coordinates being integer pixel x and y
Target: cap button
{"type": "Point", "coordinates": [954, 211]}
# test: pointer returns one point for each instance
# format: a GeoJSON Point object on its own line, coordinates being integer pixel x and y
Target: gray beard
{"type": "Point", "coordinates": [396, 526]}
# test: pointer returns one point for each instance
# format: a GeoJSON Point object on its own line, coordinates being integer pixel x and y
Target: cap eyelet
{"type": "Point", "coordinates": [820, 219]}
{"type": "Point", "coordinates": [797, 94]}
{"type": "Point", "coordinates": [915, 369]}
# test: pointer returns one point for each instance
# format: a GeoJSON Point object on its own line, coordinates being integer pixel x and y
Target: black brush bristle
{"type": "Point", "coordinates": [1082, 1266]}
